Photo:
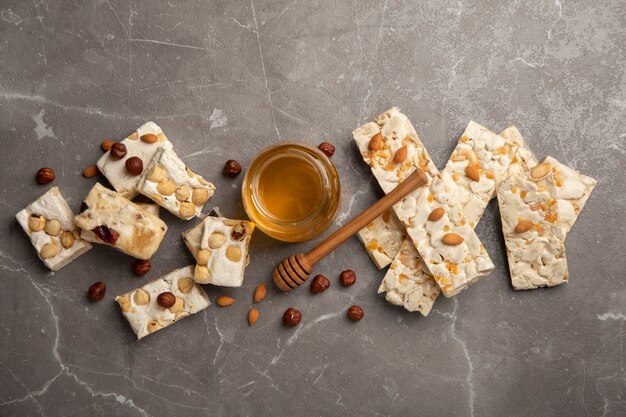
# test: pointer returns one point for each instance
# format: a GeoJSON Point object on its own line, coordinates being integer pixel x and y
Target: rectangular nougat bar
{"type": "Point", "coordinates": [171, 184]}
{"type": "Point", "coordinates": [143, 311]}
{"type": "Point", "coordinates": [111, 219]}
{"type": "Point", "coordinates": [223, 254]}
{"type": "Point", "coordinates": [143, 144]}
{"type": "Point", "coordinates": [49, 223]}
{"type": "Point", "coordinates": [533, 235]}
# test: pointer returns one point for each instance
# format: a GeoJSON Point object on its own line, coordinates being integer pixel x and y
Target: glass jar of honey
{"type": "Point", "coordinates": [291, 191]}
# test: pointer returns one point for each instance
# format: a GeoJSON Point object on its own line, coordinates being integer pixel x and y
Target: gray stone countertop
{"type": "Point", "coordinates": [225, 79]}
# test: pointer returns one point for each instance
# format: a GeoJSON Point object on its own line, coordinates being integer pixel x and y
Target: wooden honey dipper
{"type": "Point", "coordinates": [295, 270]}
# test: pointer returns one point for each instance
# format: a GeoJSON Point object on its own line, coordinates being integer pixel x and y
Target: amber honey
{"type": "Point", "coordinates": [291, 191]}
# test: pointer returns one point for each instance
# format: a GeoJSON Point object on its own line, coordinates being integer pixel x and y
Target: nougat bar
{"type": "Point", "coordinates": [143, 311]}
{"type": "Point", "coordinates": [108, 218]}
{"type": "Point", "coordinates": [49, 222]}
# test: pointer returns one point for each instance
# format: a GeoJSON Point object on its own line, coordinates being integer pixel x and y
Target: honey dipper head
{"type": "Point", "coordinates": [292, 272]}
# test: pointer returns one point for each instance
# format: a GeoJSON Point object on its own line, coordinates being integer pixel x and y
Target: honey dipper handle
{"type": "Point", "coordinates": [414, 181]}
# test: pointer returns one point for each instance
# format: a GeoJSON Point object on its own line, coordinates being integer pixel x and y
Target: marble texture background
{"type": "Point", "coordinates": [226, 78]}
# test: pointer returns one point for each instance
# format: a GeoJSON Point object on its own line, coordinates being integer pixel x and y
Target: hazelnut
{"type": "Point", "coordinates": [107, 144]}
{"type": "Point", "coordinates": [96, 291]}
{"type": "Point", "coordinates": [187, 209]}
{"type": "Point", "coordinates": [53, 227]}
{"type": "Point", "coordinates": [224, 301]}
{"type": "Point", "coordinates": [199, 196]}
{"type": "Point", "coordinates": [292, 317]}
{"type": "Point", "coordinates": [134, 165]}
{"type": "Point", "coordinates": [45, 175]}
{"type": "Point", "coordinates": [166, 187]}
{"type": "Point", "coordinates": [49, 250]}
{"type": "Point", "coordinates": [216, 240]}
{"type": "Point", "coordinates": [203, 257]}
{"type": "Point", "coordinates": [141, 297]}
{"type": "Point", "coordinates": [141, 267]}
{"type": "Point", "coordinates": [157, 175]}
{"type": "Point", "coordinates": [118, 150]}
{"type": "Point", "coordinates": [238, 232]}
{"type": "Point", "coordinates": [232, 168]}
{"type": "Point", "coordinates": [178, 305]}
{"type": "Point", "coordinates": [67, 239]}
{"type": "Point", "coordinates": [355, 313]}
{"type": "Point", "coordinates": [36, 223]}
{"type": "Point", "coordinates": [185, 284]}
{"type": "Point", "coordinates": [233, 253]}
{"type": "Point", "coordinates": [90, 171]}
{"type": "Point", "coordinates": [347, 278]}
{"type": "Point", "coordinates": [319, 284]}
{"type": "Point", "coordinates": [182, 193]}
{"type": "Point", "coordinates": [327, 148]}
{"type": "Point", "coordinates": [153, 326]}
{"type": "Point", "coordinates": [124, 303]}
{"type": "Point", "coordinates": [166, 299]}
{"type": "Point", "coordinates": [149, 138]}
{"type": "Point", "coordinates": [201, 274]}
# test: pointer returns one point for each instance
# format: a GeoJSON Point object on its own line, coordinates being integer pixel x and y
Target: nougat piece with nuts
{"type": "Point", "coordinates": [173, 186]}
{"type": "Point", "coordinates": [107, 217]}
{"type": "Point", "coordinates": [408, 282]}
{"type": "Point", "coordinates": [382, 238]}
{"type": "Point", "coordinates": [533, 234]}
{"type": "Point", "coordinates": [223, 254]}
{"type": "Point", "coordinates": [146, 315]}
{"type": "Point", "coordinates": [142, 144]}
{"type": "Point", "coordinates": [49, 222]}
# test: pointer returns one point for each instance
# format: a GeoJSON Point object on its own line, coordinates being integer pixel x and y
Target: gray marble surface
{"type": "Point", "coordinates": [226, 78]}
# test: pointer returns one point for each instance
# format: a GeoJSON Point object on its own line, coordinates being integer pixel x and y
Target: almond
{"type": "Point", "coordinates": [89, 172]}
{"type": "Point", "coordinates": [224, 301]}
{"type": "Point", "coordinates": [149, 138]}
{"type": "Point", "coordinates": [259, 293]}
{"type": "Point", "coordinates": [106, 145]}
{"type": "Point", "coordinates": [472, 172]}
{"type": "Point", "coordinates": [400, 155]}
{"type": "Point", "coordinates": [253, 316]}
{"type": "Point", "coordinates": [523, 225]}
{"type": "Point", "coordinates": [376, 142]}
{"type": "Point", "coordinates": [540, 170]}
{"type": "Point", "coordinates": [452, 239]}
{"type": "Point", "coordinates": [436, 214]}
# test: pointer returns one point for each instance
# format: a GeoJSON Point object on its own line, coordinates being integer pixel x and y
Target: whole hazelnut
{"type": "Point", "coordinates": [319, 284]}
{"type": "Point", "coordinates": [118, 150]}
{"type": "Point", "coordinates": [141, 267]}
{"type": "Point", "coordinates": [166, 299]}
{"type": "Point", "coordinates": [96, 291]}
{"type": "Point", "coordinates": [347, 278]}
{"type": "Point", "coordinates": [327, 148]}
{"type": "Point", "coordinates": [45, 175]}
{"type": "Point", "coordinates": [292, 317]}
{"type": "Point", "coordinates": [232, 168]}
{"type": "Point", "coordinates": [355, 313]}
{"type": "Point", "coordinates": [134, 165]}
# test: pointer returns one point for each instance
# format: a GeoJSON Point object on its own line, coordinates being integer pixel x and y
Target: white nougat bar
{"type": "Point", "coordinates": [115, 169]}
{"type": "Point", "coordinates": [49, 223]}
{"type": "Point", "coordinates": [111, 219]}
{"type": "Point", "coordinates": [223, 254]}
{"type": "Point", "coordinates": [533, 236]}
{"type": "Point", "coordinates": [382, 238]}
{"type": "Point", "coordinates": [145, 315]}
{"type": "Point", "coordinates": [173, 186]}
